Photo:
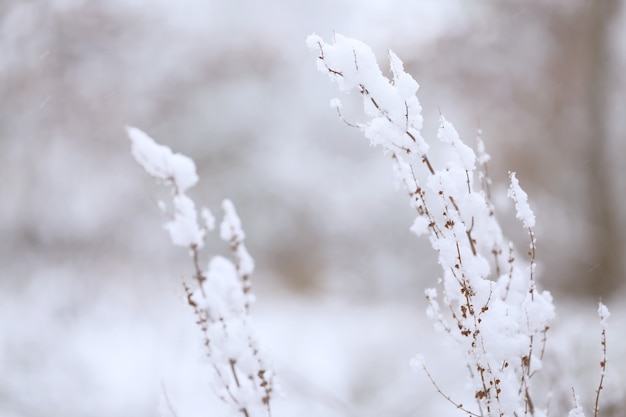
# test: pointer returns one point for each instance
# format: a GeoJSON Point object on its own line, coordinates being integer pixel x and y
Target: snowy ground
{"type": "Point", "coordinates": [114, 355]}
{"type": "Point", "coordinates": [130, 352]}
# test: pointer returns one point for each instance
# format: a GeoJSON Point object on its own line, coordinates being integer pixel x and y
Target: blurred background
{"type": "Point", "coordinates": [92, 314]}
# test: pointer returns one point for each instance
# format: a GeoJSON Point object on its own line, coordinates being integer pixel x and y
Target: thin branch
{"type": "Point", "coordinates": [168, 403]}
{"type": "Point", "coordinates": [447, 397]}
{"type": "Point", "coordinates": [596, 407]}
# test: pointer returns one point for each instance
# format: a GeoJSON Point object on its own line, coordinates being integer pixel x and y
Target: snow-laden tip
{"type": "Point", "coordinates": [335, 103]}
{"type": "Point", "coordinates": [232, 232]}
{"type": "Point", "coordinates": [577, 411]}
{"type": "Point", "coordinates": [313, 41]}
{"type": "Point", "coordinates": [406, 86]}
{"type": "Point", "coordinates": [522, 209]}
{"type": "Point", "coordinates": [394, 112]}
{"type": "Point", "coordinates": [448, 134]}
{"type": "Point", "coordinates": [160, 162]}
{"type": "Point", "coordinates": [604, 314]}
{"type": "Point", "coordinates": [417, 362]}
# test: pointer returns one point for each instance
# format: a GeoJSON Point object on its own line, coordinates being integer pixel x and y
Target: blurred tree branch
{"type": "Point", "coordinates": [605, 276]}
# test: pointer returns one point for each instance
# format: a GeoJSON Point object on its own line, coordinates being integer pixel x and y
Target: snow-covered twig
{"type": "Point", "coordinates": [604, 314]}
{"type": "Point", "coordinates": [577, 411]}
{"type": "Point", "coordinates": [221, 295]}
{"type": "Point", "coordinates": [496, 314]}
{"type": "Point", "coordinates": [418, 362]}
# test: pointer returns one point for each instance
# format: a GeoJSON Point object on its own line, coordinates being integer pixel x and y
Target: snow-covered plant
{"type": "Point", "coordinates": [487, 301]}
{"type": "Point", "coordinates": [604, 314]}
{"type": "Point", "coordinates": [221, 295]}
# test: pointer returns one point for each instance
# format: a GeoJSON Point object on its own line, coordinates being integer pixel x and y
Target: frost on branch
{"type": "Point", "coordinates": [493, 309]}
{"type": "Point", "coordinates": [221, 296]}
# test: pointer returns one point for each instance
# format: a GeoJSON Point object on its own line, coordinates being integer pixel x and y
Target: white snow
{"type": "Point", "coordinates": [231, 231]}
{"type": "Point", "coordinates": [523, 210]}
{"type": "Point", "coordinates": [577, 411]}
{"type": "Point", "coordinates": [179, 172]}
{"type": "Point", "coordinates": [335, 103]}
{"type": "Point", "coordinates": [184, 229]}
{"type": "Point", "coordinates": [420, 226]}
{"type": "Point", "coordinates": [448, 134]}
{"type": "Point", "coordinates": [222, 295]}
{"type": "Point", "coordinates": [392, 105]}
{"type": "Point", "coordinates": [209, 219]}
{"type": "Point", "coordinates": [160, 162]}
{"type": "Point", "coordinates": [604, 314]}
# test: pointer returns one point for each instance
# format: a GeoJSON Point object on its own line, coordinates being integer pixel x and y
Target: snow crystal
{"type": "Point", "coordinates": [524, 212]}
